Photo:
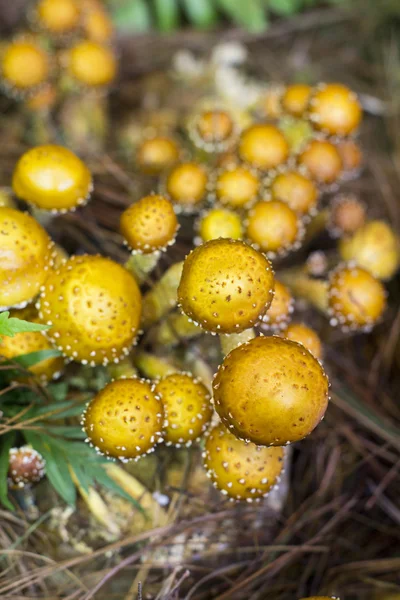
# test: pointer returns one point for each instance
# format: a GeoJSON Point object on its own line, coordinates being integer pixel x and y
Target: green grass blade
{"type": "Point", "coordinates": [6, 442]}
{"type": "Point", "coordinates": [167, 14]}
{"type": "Point", "coordinates": [200, 13]}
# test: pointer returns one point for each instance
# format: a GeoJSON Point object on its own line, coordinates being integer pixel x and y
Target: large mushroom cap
{"type": "Point", "coordinates": [241, 470]}
{"type": "Point", "coordinates": [93, 306]}
{"type": "Point", "coordinates": [335, 109]}
{"type": "Point", "coordinates": [24, 66]}
{"type": "Point", "coordinates": [226, 286]}
{"type": "Point", "coordinates": [125, 419]}
{"type": "Point", "coordinates": [263, 146]}
{"type": "Point", "coordinates": [52, 178]}
{"type": "Point", "coordinates": [26, 254]}
{"type": "Point", "coordinates": [271, 391]}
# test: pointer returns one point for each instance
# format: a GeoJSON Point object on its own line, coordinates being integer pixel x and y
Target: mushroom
{"type": "Point", "coordinates": [219, 222]}
{"type": "Point", "coordinates": [26, 466]}
{"type": "Point", "coordinates": [263, 146]}
{"type": "Point", "coordinates": [186, 186]}
{"type": "Point", "coordinates": [280, 311]}
{"type": "Point", "coordinates": [322, 161]}
{"type": "Point", "coordinates": [187, 408]}
{"type": "Point", "coordinates": [24, 66]}
{"type": "Point", "coordinates": [236, 186]}
{"type": "Point", "coordinates": [335, 109]}
{"type": "Point", "coordinates": [212, 130]}
{"type": "Point", "coordinates": [352, 157]}
{"type": "Point", "coordinates": [295, 99]}
{"type": "Point", "coordinates": [57, 17]}
{"type": "Point", "coordinates": [125, 419]}
{"type": "Point", "coordinates": [295, 189]}
{"type": "Point", "coordinates": [309, 338]}
{"type": "Point", "coordinates": [93, 307]}
{"type": "Point", "coordinates": [26, 257]}
{"type": "Point", "coordinates": [157, 154]}
{"type": "Point", "coordinates": [346, 215]}
{"type": "Point", "coordinates": [241, 470]}
{"type": "Point", "coordinates": [97, 23]}
{"type": "Point", "coordinates": [269, 105]}
{"type": "Point", "coordinates": [270, 391]}
{"type": "Point", "coordinates": [52, 178]}
{"type": "Point", "coordinates": [91, 64]}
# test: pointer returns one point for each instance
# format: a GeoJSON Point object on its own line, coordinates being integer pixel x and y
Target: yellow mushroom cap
{"type": "Point", "coordinates": [186, 185]}
{"type": "Point", "coordinates": [297, 190]}
{"type": "Point", "coordinates": [212, 130]}
{"type": "Point", "coordinates": [351, 155]}
{"type": "Point", "coordinates": [91, 64]}
{"type": "Point", "coordinates": [263, 146]}
{"type": "Point", "coordinates": [156, 154]}
{"type": "Point", "coordinates": [279, 313]}
{"type": "Point", "coordinates": [274, 228]}
{"type": "Point", "coordinates": [295, 99]}
{"type": "Point", "coordinates": [52, 178]}
{"type": "Point", "coordinates": [226, 286]}
{"type": "Point", "coordinates": [97, 23]}
{"type": "Point", "coordinates": [149, 225]}
{"type": "Point", "coordinates": [241, 470]}
{"type": "Point", "coordinates": [322, 161]}
{"type": "Point", "coordinates": [26, 466]}
{"type": "Point", "coordinates": [375, 247]}
{"type": "Point", "coordinates": [58, 16]}
{"type": "Point", "coordinates": [347, 215]}
{"type": "Point", "coordinates": [237, 186]}
{"type": "Point", "coordinates": [93, 306]}
{"type": "Point", "coordinates": [356, 298]}
{"type": "Point", "coordinates": [187, 408]}
{"type": "Point", "coordinates": [220, 222]}
{"type": "Point", "coordinates": [298, 332]}
{"type": "Point", "coordinates": [270, 391]}
{"type": "Point", "coordinates": [24, 65]}
{"type": "Point", "coordinates": [32, 341]}
{"type": "Point", "coordinates": [334, 108]}
{"type": "Point", "coordinates": [125, 419]}
{"type": "Point", "coordinates": [26, 255]}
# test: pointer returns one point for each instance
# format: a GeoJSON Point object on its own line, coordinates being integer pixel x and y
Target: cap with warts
{"type": "Point", "coordinates": [271, 391]}
{"type": "Point", "coordinates": [322, 160]}
{"type": "Point", "coordinates": [263, 146]}
{"type": "Point", "coordinates": [347, 215]}
{"type": "Point", "coordinates": [25, 258]}
{"type": "Point", "coordinates": [125, 419]}
{"type": "Point", "coordinates": [91, 64]}
{"type": "Point", "coordinates": [241, 470]}
{"type": "Point", "coordinates": [301, 333]}
{"type": "Point", "coordinates": [149, 225]}
{"type": "Point", "coordinates": [295, 99]}
{"type": "Point", "coordinates": [52, 178]}
{"type": "Point", "coordinates": [375, 247]}
{"type": "Point", "coordinates": [356, 298]}
{"type": "Point", "coordinates": [280, 312]}
{"type": "Point", "coordinates": [24, 66]}
{"type": "Point", "coordinates": [187, 408]}
{"type": "Point", "coordinates": [212, 130]}
{"type": "Point", "coordinates": [58, 17]}
{"type": "Point", "coordinates": [93, 306]}
{"type": "Point", "coordinates": [335, 109]}
{"type": "Point", "coordinates": [186, 185]}
{"type": "Point", "coordinates": [297, 190]}
{"type": "Point", "coordinates": [220, 222]}
{"type": "Point", "coordinates": [237, 186]}
{"type": "Point", "coordinates": [226, 286]}
{"type": "Point", "coordinates": [274, 228]}
{"type": "Point", "coordinates": [155, 155]}
{"type": "Point", "coordinates": [26, 466]}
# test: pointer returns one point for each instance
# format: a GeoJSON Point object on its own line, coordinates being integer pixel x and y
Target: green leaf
{"type": "Point", "coordinates": [132, 15]}
{"type": "Point", "coordinates": [58, 390]}
{"type": "Point", "coordinates": [33, 358]}
{"type": "Point", "coordinates": [6, 442]}
{"type": "Point", "coordinates": [200, 12]}
{"type": "Point", "coordinates": [85, 479]}
{"type": "Point", "coordinates": [251, 14]}
{"type": "Point", "coordinates": [61, 410]}
{"type": "Point", "coordinates": [67, 431]}
{"type": "Point", "coordinates": [10, 326]}
{"type": "Point", "coordinates": [167, 14]}
{"type": "Point", "coordinates": [284, 8]}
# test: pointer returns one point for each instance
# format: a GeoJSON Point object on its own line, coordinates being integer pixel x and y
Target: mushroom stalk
{"type": "Point", "coordinates": [152, 366]}
{"type": "Point", "coordinates": [314, 291]}
{"type": "Point", "coordinates": [140, 265]}
{"type": "Point", "coordinates": [231, 341]}
{"type": "Point", "coordinates": [162, 298]}
{"type": "Point", "coordinates": [175, 329]}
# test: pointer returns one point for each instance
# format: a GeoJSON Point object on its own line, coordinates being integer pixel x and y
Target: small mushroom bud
{"type": "Point", "coordinates": [26, 466]}
{"type": "Point", "coordinates": [220, 222]}
{"type": "Point", "coordinates": [93, 306]}
{"type": "Point", "coordinates": [213, 131]}
{"type": "Point", "coordinates": [226, 286]}
{"type": "Point", "coordinates": [91, 64]}
{"type": "Point", "coordinates": [352, 157]}
{"type": "Point", "coordinates": [24, 66]}
{"type": "Point", "coordinates": [270, 391]}
{"type": "Point", "coordinates": [335, 109]}
{"type": "Point", "coordinates": [236, 186]}
{"type": "Point", "coordinates": [279, 313]}
{"type": "Point", "coordinates": [347, 214]}
{"type": "Point", "coordinates": [270, 104]}
{"type": "Point", "coordinates": [297, 190]}
{"type": "Point", "coordinates": [322, 161]}
{"type": "Point", "coordinates": [125, 419]}
{"type": "Point", "coordinates": [187, 408]}
{"type": "Point", "coordinates": [317, 264]}
{"type": "Point", "coordinates": [241, 470]}
{"type": "Point", "coordinates": [301, 333]}
{"type": "Point", "coordinates": [57, 17]}
{"type": "Point", "coordinates": [157, 154]}
{"type": "Point", "coordinates": [25, 259]}
{"type": "Point", "coordinates": [52, 178]}
{"type": "Point", "coordinates": [186, 186]}
{"type": "Point", "coordinates": [295, 99]}
{"type": "Point", "coordinates": [263, 146]}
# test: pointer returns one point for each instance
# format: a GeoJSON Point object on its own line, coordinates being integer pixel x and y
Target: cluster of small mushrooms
{"type": "Point", "coordinates": [255, 185]}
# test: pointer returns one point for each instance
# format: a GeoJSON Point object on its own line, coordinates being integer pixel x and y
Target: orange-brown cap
{"type": "Point", "coordinates": [335, 109]}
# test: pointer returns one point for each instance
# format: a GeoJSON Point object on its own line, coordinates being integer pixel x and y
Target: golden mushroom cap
{"type": "Point", "coordinates": [212, 130]}
{"type": "Point", "coordinates": [351, 155]}
{"type": "Point", "coordinates": [279, 313]}
{"type": "Point", "coordinates": [263, 146]}
{"type": "Point", "coordinates": [187, 408]}
{"type": "Point", "coordinates": [274, 228]}
{"type": "Point", "coordinates": [186, 185]}
{"type": "Point", "coordinates": [335, 109]}
{"type": "Point", "coordinates": [309, 338]}
{"type": "Point", "coordinates": [226, 286]}
{"type": "Point", "coordinates": [297, 190]}
{"type": "Point", "coordinates": [322, 161]}
{"type": "Point", "coordinates": [32, 341]}
{"type": "Point", "coordinates": [241, 470]}
{"type": "Point", "coordinates": [356, 298]}
{"type": "Point", "coordinates": [237, 186]}
{"type": "Point", "coordinates": [26, 255]}
{"type": "Point", "coordinates": [375, 247]}
{"type": "Point", "coordinates": [149, 225]}
{"type": "Point", "coordinates": [156, 154]}
{"type": "Point", "coordinates": [125, 419]}
{"type": "Point", "coordinates": [97, 23]}
{"type": "Point", "coordinates": [93, 306]}
{"type": "Point", "coordinates": [220, 222]}
{"type": "Point", "coordinates": [91, 64]}
{"type": "Point", "coordinates": [295, 99]}
{"type": "Point", "coordinates": [58, 17]}
{"type": "Point", "coordinates": [52, 178]}
{"type": "Point", "coordinates": [26, 466]}
{"type": "Point", "coordinates": [24, 66]}
{"type": "Point", "coordinates": [347, 215]}
{"type": "Point", "coordinates": [270, 391]}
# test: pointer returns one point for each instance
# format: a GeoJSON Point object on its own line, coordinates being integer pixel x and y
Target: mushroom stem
{"type": "Point", "coordinates": [124, 368]}
{"type": "Point", "coordinates": [162, 297]}
{"type": "Point", "coordinates": [233, 340]}
{"type": "Point", "coordinates": [176, 328]}
{"type": "Point", "coordinates": [152, 366]}
{"type": "Point", "coordinates": [314, 291]}
{"type": "Point", "coordinates": [140, 265]}
{"type": "Point", "coordinates": [316, 225]}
